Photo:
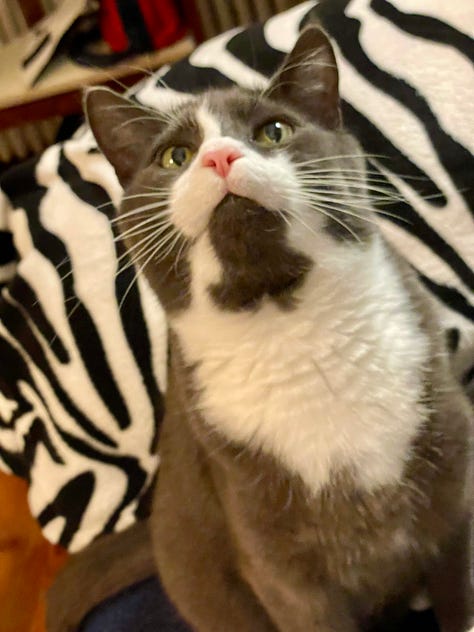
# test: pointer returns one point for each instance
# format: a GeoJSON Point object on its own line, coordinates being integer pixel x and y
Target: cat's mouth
{"type": "Point", "coordinates": [235, 206]}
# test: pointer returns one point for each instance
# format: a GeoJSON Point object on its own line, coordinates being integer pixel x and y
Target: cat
{"type": "Point", "coordinates": [315, 466]}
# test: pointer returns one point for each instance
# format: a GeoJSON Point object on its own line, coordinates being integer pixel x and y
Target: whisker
{"type": "Point", "coordinates": [384, 213]}
{"type": "Point", "coordinates": [376, 172]}
{"type": "Point", "coordinates": [165, 237]}
{"type": "Point", "coordinates": [343, 170]}
{"type": "Point", "coordinates": [133, 258]}
{"type": "Point", "coordinates": [110, 77]}
{"type": "Point", "coordinates": [138, 118]}
{"type": "Point", "coordinates": [327, 213]}
{"type": "Point", "coordinates": [136, 229]}
{"type": "Point", "coordinates": [141, 246]}
{"type": "Point", "coordinates": [141, 209]}
{"type": "Point", "coordinates": [155, 229]}
{"type": "Point", "coordinates": [349, 174]}
{"type": "Point", "coordinates": [180, 253]}
{"type": "Point", "coordinates": [158, 192]}
{"type": "Point", "coordinates": [162, 192]}
{"type": "Point", "coordinates": [355, 176]}
{"type": "Point", "coordinates": [135, 105]}
{"type": "Point", "coordinates": [371, 187]}
{"type": "Point", "coordinates": [63, 278]}
{"type": "Point", "coordinates": [323, 212]}
{"type": "Point", "coordinates": [357, 195]}
{"type": "Point", "coordinates": [303, 223]}
{"type": "Point", "coordinates": [151, 235]}
{"type": "Point", "coordinates": [342, 203]}
{"type": "Point", "coordinates": [284, 217]}
{"type": "Point", "coordinates": [62, 262]}
{"type": "Point", "coordinates": [132, 282]}
{"type": "Point", "coordinates": [109, 203]}
{"type": "Point", "coordinates": [269, 90]}
{"type": "Point", "coordinates": [70, 314]}
{"type": "Point", "coordinates": [337, 209]}
{"type": "Point", "coordinates": [375, 211]}
{"type": "Point", "coordinates": [302, 61]}
{"type": "Point", "coordinates": [154, 250]}
{"type": "Point", "coordinates": [297, 217]}
{"type": "Point", "coordinates": [149, 187]}
{"type": "Point", "coordinates": [145, 71]}
{"type": "Point", "coordinates": [331, 207]}
{"type": "Point", "coordinates": [171, 247]}
{"type": "Point", "coordinates": [312, 161]}
{"type": "Point", "coordinates": [311, 195]}
{"type": "Point", "coordinates": [342, 181]}
{"type": "Point", "coordinates": [338, 170]}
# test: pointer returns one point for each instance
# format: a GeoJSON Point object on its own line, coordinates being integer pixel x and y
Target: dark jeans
{"type": "Point", "coordinates": [145, 608]}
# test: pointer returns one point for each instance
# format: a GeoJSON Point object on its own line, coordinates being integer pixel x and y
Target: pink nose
{"type": "Point", "coordinates": [221, 159]}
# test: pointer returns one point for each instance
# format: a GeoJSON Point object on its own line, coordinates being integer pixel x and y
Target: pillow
{"type": "Point", "coordinates": [83, 339]}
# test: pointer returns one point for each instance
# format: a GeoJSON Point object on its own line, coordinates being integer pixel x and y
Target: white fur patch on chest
{"type": "Point", "coordinates": [336, 383]}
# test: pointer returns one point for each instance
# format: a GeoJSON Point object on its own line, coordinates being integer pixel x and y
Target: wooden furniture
{"type": "Point", "coordinates": [58, 93]}
{"type": "Point", "coordinates": [59, 90]}
{"type": "Point", "coordinates": [28, 562]}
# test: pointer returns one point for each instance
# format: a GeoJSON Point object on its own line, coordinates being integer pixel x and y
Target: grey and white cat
{"type": "Point", "coordinates": [315, 464]}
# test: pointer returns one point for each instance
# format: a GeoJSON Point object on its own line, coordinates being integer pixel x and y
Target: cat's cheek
{"type": "Point", "coordinates": [194, 196]}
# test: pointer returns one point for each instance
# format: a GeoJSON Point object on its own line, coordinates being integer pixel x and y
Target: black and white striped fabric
{"type": "Point", "coordinates": [83, 347]}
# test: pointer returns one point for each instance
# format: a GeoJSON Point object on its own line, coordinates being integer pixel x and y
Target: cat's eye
{"type": "Point", "coordinates": [273, 133]}
{"type": "Point", "coordinates": [176, 157]}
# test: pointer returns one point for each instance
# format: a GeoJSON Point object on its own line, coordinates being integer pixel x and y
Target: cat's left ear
{"type": "Point", "coordinates": [308, 79]}
{"type": "Point", "coordinates": [123, 130]}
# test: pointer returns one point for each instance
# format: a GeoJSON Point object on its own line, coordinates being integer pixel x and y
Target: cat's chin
{"type": "Point", "coordinates": [238, 206]}
{"type": "Point", "coordinates": [257, 260]}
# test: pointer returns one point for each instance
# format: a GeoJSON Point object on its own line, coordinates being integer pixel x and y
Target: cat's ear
{"type": "Point", "coordinates": [122, 129]}
{"type": "Point", "coordinates": [308, 79]}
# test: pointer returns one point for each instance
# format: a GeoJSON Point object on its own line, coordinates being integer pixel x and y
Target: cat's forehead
{"type": "Point", "coordinates": [234, 104]}
{"type": "Point", "coordinates": [228, 111]}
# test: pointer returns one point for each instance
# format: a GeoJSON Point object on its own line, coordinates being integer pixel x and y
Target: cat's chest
{"type": "Point", "coordinates": [317, 401]}
{"type": "Point", "coordinates": [334, 384]}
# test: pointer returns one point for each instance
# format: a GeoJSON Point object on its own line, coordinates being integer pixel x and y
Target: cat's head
{"type": "Point", "coordinates": [236, 190]}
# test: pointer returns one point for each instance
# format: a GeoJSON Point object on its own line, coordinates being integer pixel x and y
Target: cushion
{"type": "Point", "coordinates": [82, 338]}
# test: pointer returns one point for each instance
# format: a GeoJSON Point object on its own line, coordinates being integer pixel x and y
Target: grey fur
{"type": "Point", "coordinates": [238, 544]}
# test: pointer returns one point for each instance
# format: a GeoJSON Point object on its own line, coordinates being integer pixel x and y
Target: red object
{"type": "Point", "coordinates": [111, 26]}
{"type": "Point", "coordinates": [221, 159]}
{"type": "Point", "coordinates": [160, 18]}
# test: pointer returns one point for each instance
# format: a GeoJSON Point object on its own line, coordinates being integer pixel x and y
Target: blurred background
{"type": "Point", "coordinates": [51, 49]}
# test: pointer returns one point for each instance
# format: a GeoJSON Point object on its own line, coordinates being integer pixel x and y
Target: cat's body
{"type": "Point", "coordinates": [235, 523]}
{"type": "Point", "coordinates": [314, 457]}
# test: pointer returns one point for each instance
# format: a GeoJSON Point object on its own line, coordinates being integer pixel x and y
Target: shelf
{"type": "Point", "coordinates": [64, 80]}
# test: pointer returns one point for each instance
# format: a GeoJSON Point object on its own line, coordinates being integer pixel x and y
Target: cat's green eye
{"type": "Point", "coordinates": [176, 157]}
{"type": "Point", "coordinates": [273, 133]}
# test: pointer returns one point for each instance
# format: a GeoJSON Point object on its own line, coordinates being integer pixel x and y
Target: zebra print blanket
{"type": "Point", "coordinates": [83, 347]}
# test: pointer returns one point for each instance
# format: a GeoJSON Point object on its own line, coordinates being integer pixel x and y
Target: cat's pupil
{"type": "Point", "coordinates": [179, 155]}
{"type": "Point", "coordinates": [273, 131]}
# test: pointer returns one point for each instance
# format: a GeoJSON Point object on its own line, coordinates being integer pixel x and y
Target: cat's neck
{"type": "Point", "coordinates": [336, 382]}
{"type": "Point", "coordinates": [349, 290]}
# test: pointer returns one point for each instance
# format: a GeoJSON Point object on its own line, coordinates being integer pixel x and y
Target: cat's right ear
{"type": "Point", "coordinates": [308, 79]}
{"type": "Point", "coordinates": [122, 129]}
